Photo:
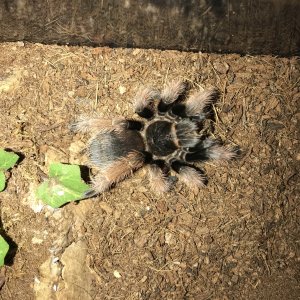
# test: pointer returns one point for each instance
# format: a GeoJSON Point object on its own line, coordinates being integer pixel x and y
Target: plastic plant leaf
{"type": "Point", "coordinates": [4, 247]}
{"type": "Point", "coordinates": [2, 181]}
{"type": "Point", "coordinates": [7, 161]}
{"type": "Point", "coordinates": [64, 185]}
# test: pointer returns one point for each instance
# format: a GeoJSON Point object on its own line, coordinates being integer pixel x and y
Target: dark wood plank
{"type": "Point", "coordinates": [241, 26]}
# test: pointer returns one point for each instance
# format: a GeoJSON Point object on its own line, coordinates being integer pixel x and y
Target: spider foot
{"type": "Point", "coordinates": [143, 100]}
{"type": "Point", "coordinates": [190, 175]}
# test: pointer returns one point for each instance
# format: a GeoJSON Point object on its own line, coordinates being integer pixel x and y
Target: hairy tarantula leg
{"type": "Point", "coordinates": [223, 153]}
{"type": "Point", "coordinates": [190, 175]}
{"type": "Point", "coordinates": [117, 172]}
{"type": "Point", "coordinates": [210, 149]}
{"type": "Point", "coordinates": [172, 91]}
{"type": "Point", "coordinates": [158, 178]}
{"type": "Point", "coordinates": [170, 94]}
{"type": "Point", "coordinates": [91, 124]}
{"type": "Point", "coordinates": [143, 100]}
{"type": "Point", "coordinates": [95, 125]}
{"type": "Point", "coordinates": [186, 133]}
{"type": "Point", "coordinates": [134, 125]}
{"type": "Point", "coordinates": [196, 104]}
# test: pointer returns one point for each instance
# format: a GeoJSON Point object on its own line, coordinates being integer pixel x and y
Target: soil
{"type": "Point", "coordinates": [237, 238]}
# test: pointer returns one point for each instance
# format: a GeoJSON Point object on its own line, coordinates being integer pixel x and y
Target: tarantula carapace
{"type": "Point", "coordinates": [172, 139]}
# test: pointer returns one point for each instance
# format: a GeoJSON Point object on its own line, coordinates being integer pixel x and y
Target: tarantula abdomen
{"type": "Point", "coordinates": [171, 139]}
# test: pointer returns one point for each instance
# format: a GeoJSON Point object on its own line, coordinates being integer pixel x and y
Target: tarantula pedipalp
{"type": "Point", "coordinates": [172, 138]}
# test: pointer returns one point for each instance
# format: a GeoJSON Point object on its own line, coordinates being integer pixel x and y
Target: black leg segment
{"type": "Point", "coordinates": [134, 125]}
{"type": "Point", "coordinates": [146, 113]}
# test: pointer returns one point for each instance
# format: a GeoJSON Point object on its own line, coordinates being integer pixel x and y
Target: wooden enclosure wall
{"type": "Point", "coordinates": [241, 26]}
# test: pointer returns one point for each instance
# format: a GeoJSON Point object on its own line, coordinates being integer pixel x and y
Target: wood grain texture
{"type": "Point", "coordinates": [225, 26]}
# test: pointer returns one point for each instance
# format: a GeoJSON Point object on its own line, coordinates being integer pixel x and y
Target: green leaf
{"type": "Point", "coordinates": [7, 159]}
{"type": "Point", "coordinates": [2, 181]}
{"type": "Point", "coordinates": [64, 185]}
{"type": "Point", "coordinates": [4, 247]}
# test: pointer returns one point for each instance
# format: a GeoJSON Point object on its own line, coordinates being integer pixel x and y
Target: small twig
{"type": "Point", "coordinates": [49, 62]}
{"type": "Point", "coordinates": [51, 127]}
{"type": "Point", "coordinates": [266, 263]}
{"type": "Point", "coordinates": [160, 270]}
{"type": "Point", "coordinates": [167, 74]}
{"type": "Point", "coordinates": [96, 97]}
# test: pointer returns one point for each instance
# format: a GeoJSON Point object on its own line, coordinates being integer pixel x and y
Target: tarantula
{"type": "Point", "coordinates": [173, 139]}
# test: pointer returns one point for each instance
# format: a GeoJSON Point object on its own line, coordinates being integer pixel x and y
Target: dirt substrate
{"type": "Point", "coordinates": [237, 238]}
